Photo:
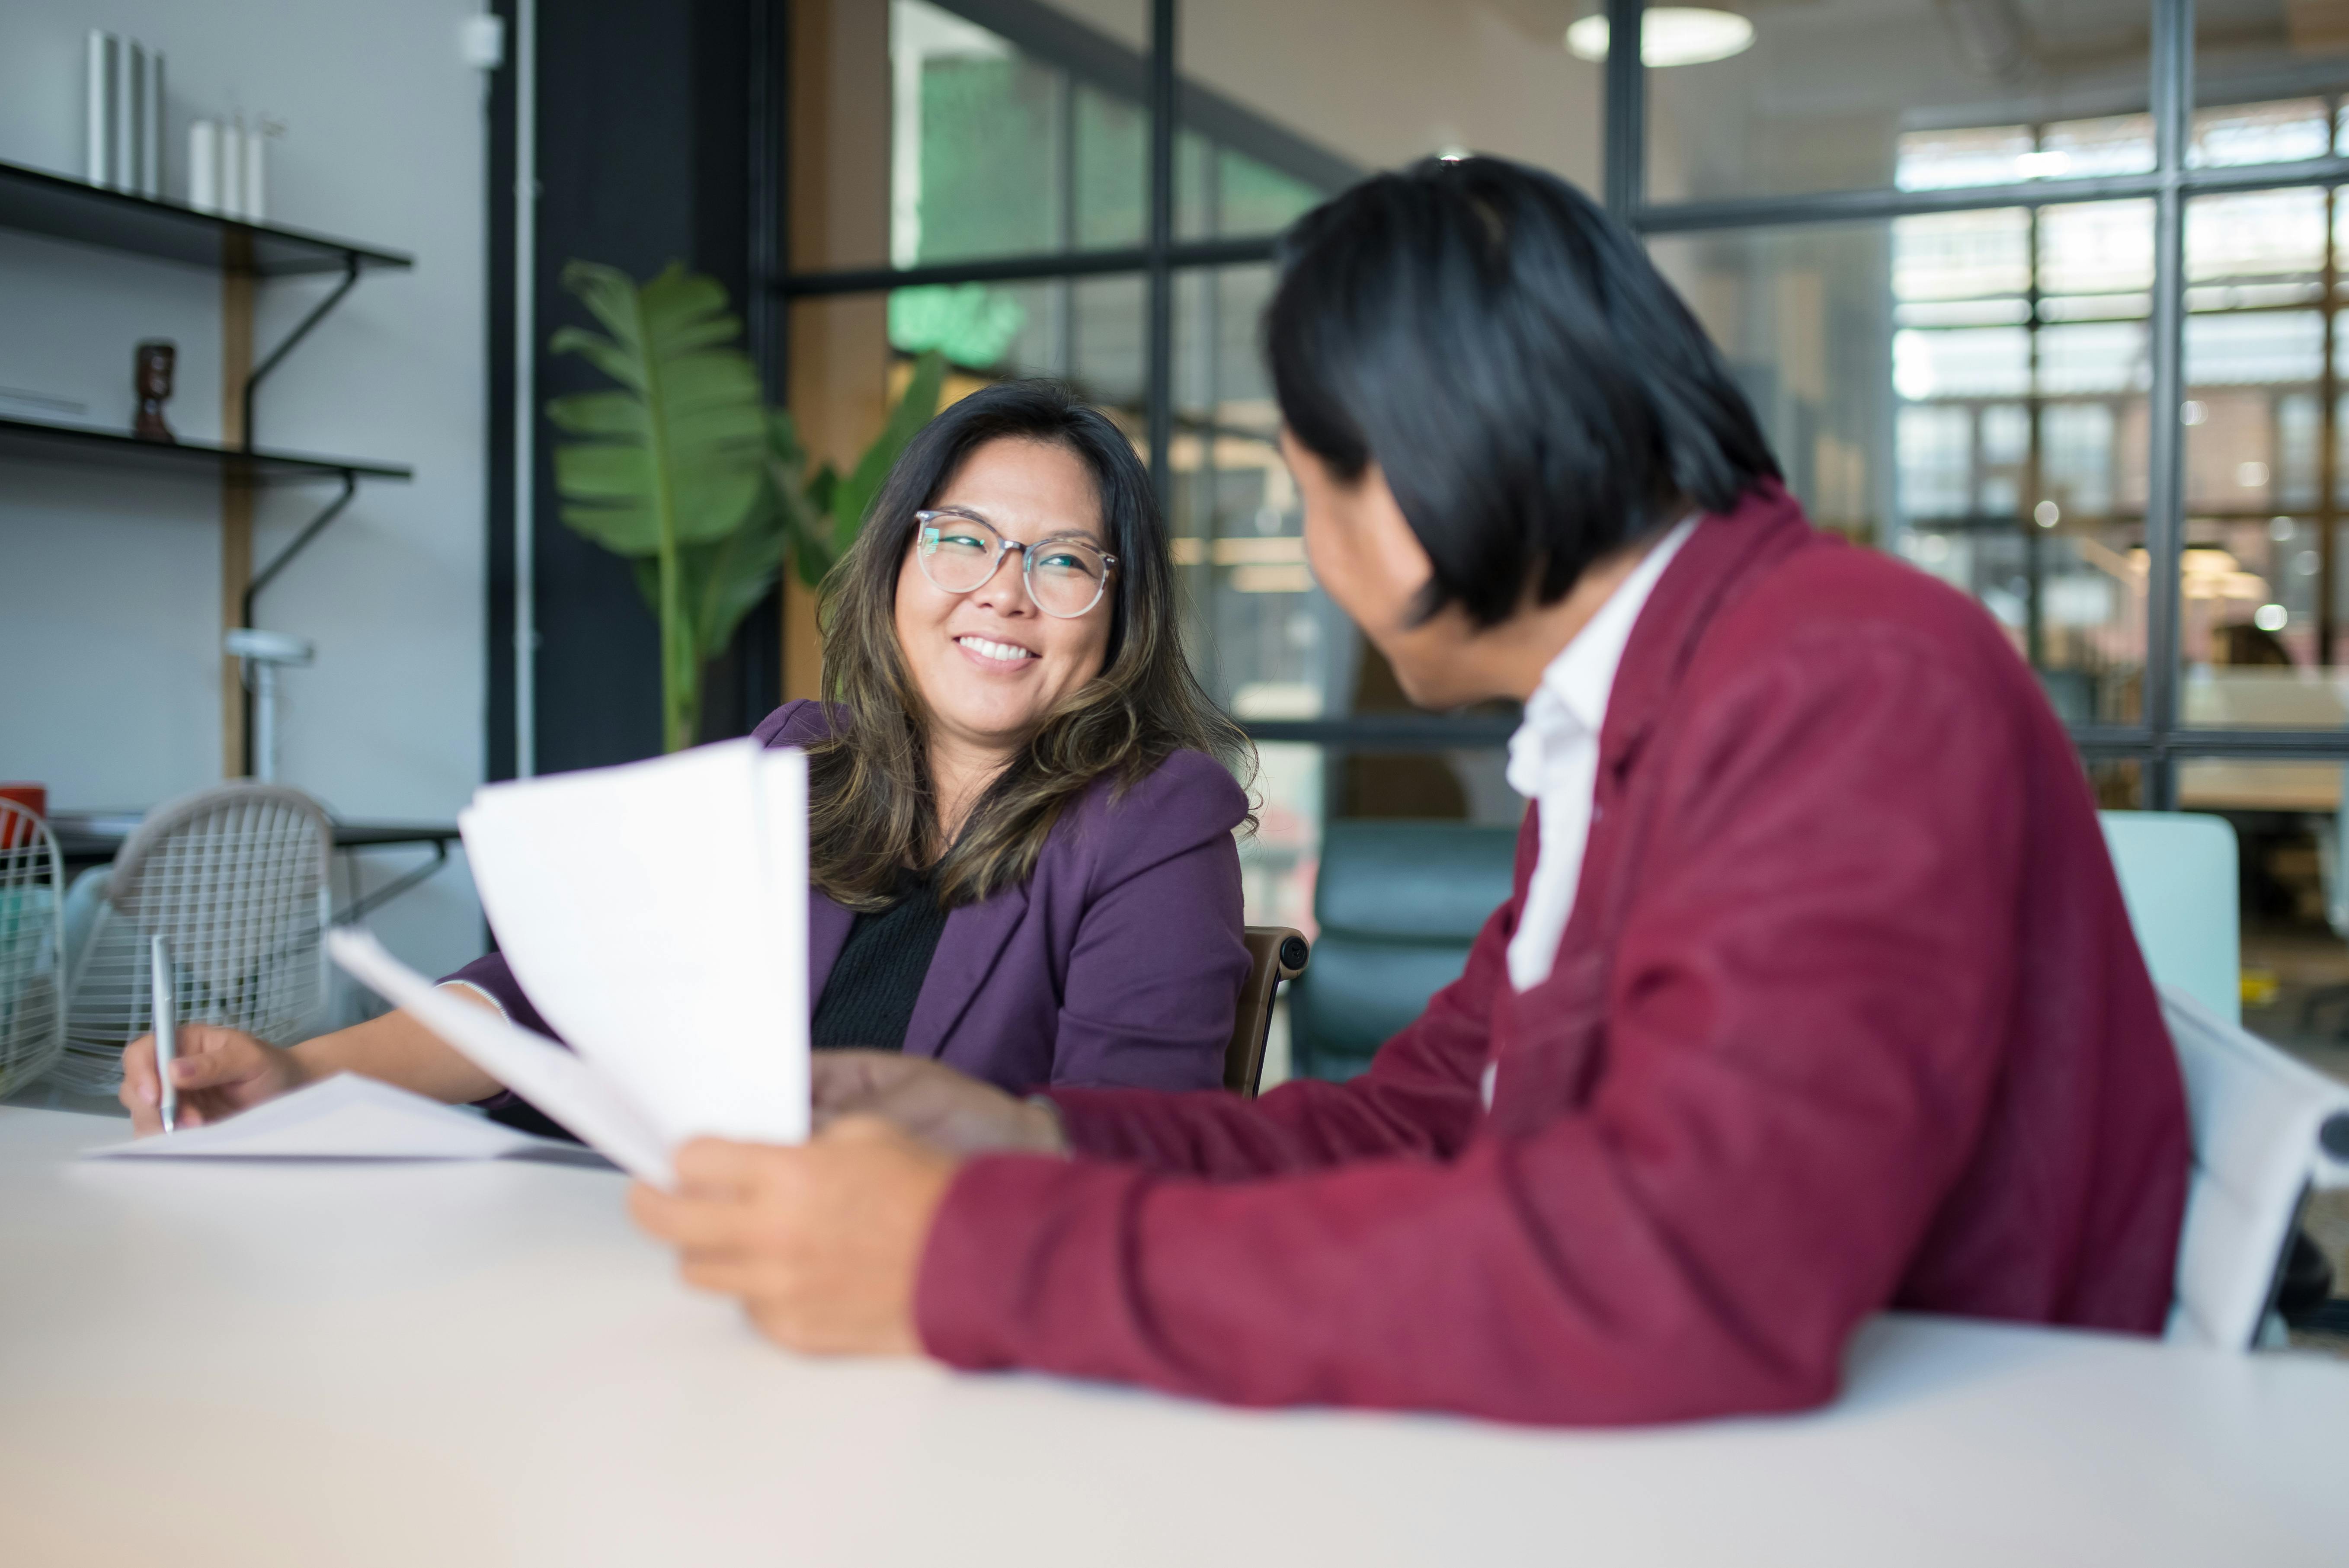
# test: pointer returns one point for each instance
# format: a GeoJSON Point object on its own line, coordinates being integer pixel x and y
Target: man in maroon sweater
{"type": "Point", "coordinates": [1814, 996]}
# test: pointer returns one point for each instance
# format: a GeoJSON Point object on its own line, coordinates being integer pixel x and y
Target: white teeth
{"type": "Point", "coordinates": [1004, 651]}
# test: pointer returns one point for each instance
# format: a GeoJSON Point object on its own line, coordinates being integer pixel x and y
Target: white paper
{"type": "Point", "coordinates": [345, 1116]}
{"type": "Point", "coordinates": [655, 915]}
{"type": "Point", "coordinates": [552, 1079]}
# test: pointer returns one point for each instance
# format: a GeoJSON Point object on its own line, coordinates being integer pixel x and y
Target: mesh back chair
{"type": "Point", "coordinates": [234, 879]}
{"type": "Point", "coordinates": [32, 948]}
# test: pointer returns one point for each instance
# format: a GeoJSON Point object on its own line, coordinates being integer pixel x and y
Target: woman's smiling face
{"type": "Point", "coordinates": [988, 663]}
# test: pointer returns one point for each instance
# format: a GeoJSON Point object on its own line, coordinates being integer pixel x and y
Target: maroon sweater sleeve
{"type": "Point", "coordinates": [1803, 1015]}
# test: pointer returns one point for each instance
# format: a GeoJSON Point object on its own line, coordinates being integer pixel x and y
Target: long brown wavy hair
{"type": "Point", "coordinates": [872, 805]}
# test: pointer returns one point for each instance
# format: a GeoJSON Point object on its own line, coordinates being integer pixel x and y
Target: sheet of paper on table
{"type": "Point", "coordinates": [655, 915]}
{"type": "Point", "coordinates": [345, 1116]}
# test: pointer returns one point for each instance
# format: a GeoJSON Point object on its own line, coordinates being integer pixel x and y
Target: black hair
{"type": "Point", "coordinates": [1532, 389]}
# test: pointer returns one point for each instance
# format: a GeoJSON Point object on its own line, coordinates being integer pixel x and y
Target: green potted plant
{"type": "Point", "coordinates": [686, 471]}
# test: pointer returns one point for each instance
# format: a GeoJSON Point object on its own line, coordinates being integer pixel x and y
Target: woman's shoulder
{"type": "Point", "coordinates": [799, 722]}
{"type": "Point", "coordinates": [1185, 800]}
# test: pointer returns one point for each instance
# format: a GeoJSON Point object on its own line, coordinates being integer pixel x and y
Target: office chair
{"type": "Point", "coordinates": [2267, 1132]}
{"type": "Point", "coordinates": [32, 948]}
{"type": "Point", "coordinates": [1399, 904]}
{"type": "Point", "coordinates": [2261, 1136]}
{"type": "Point", "coordinates": [2178, 877]}
{"type": "Point", "coordinates": [1276, 953]}
{"type": "Point", "coordinates": [2331, 845]}
{"type": "Point", "coordinates": [234, 879]}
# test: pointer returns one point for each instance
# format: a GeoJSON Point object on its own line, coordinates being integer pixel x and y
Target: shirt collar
{"type": "Point", "coordinates": [1571, 701]}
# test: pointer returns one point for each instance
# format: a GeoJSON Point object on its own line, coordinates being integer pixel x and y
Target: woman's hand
{"type": "Point", "coordinates": [822, 1244]}
{"type": "Point", "coordinates": [218, 1073]}
{"type": "Point", "coordinates": [941, 1106]}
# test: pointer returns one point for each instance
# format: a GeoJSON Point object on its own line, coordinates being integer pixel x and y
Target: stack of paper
{"type": "Point", "coordinates": [655, 915]}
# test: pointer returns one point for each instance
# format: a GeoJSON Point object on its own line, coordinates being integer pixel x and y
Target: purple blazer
{"type": "Point", "coordinates": [1119, 962]}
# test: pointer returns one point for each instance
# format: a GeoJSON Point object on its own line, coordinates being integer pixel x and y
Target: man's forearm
{"type": "Point", "coordinates": [397, 1049]}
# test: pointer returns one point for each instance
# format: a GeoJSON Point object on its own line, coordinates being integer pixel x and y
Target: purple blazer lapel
{"type": "Point", "coordinates": [828, 924]}
{"type": "Point", "coordinates": [968, 948]}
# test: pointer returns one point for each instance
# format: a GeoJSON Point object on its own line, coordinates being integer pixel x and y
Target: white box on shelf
{"type": "Point", "coordinates": [232, 169]}
{"type": "Point", "coordinates": [255, 191]}
{"type": "Point", "coordinates": [150, 140]}
{"type": "Point", "coordinates": [204, 166]}
{"type": "Point", "coordinates": [122, 145]}
{"type": "Point", "coordinates": [99, 127]}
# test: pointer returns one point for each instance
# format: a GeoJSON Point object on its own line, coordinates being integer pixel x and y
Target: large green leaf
{"type": "Point", "coordinates": [726, 581]}
{"type": "Point", "coordinates": [668, 468]}
{"type": "Point", "coordinates": [685, 471]}
{"type": "Point", "coordinates": [723, 582]}
{"type": "Point", "coordinates": [680, 454]}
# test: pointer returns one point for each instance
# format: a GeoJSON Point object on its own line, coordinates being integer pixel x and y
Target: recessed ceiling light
{"type": "Point", "coordinates": [1669, 35]}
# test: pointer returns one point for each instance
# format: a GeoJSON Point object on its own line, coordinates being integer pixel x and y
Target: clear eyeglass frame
{"type": "Point", "coordinates": [927, 538]}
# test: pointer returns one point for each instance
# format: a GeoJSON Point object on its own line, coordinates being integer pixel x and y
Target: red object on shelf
{"type": "Point", "coordinates": [34, 798]}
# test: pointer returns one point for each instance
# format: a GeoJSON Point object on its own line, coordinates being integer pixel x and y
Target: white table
{"type": "Point", "coordinates": [445, 1365]}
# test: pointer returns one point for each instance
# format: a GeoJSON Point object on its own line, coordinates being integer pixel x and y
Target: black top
{"type": "Point", "coordinates": [869, 998]}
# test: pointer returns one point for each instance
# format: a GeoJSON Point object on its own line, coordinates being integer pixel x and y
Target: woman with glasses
{"type": "Point", "coordinates": [1020, 801]}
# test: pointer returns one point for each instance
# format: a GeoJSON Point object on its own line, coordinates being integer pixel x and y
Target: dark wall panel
{"type": "Point", "coordinates": [642, 160]}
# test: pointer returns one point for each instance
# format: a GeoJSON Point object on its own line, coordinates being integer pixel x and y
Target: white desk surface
{"type": "Point", "coordinates": [463, 1363]}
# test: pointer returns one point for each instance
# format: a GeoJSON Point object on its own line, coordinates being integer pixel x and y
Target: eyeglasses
{"type": "Point", "coordinates": [959, 554]}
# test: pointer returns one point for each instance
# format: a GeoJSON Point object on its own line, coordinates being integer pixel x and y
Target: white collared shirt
{"type": "Point", "coordinates": [1554, 757]}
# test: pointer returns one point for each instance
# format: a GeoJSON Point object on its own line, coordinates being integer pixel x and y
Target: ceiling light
{"type": "Point", "coordinates": [1669, 35]}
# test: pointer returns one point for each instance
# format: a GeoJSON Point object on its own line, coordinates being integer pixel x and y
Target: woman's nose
{"type": "Point", "coordinates": [1007, 591]}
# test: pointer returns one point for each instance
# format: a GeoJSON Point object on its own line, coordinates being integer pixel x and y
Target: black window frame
{"type": "Point", "coordinates": [1171, 104]}
{"type": "Point", "coordinates": [2158, 740]}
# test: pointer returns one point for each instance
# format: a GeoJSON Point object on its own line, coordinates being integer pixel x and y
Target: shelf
{"type": "Point", "coordinates": [117, 450]}
{"type": "Point", "coordinates": [40, 203]}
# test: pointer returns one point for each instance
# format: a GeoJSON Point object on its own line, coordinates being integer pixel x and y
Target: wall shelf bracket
{"type": "Point", "coordinates": [301, 541]}
{"type": "Point", "coordinates": [277, 355]}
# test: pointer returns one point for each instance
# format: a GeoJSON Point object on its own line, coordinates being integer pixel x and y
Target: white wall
{"type": "Point", "coordinates": [108, 584]}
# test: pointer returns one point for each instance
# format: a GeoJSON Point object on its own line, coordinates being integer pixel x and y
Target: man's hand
{"type": "Point", "coordinates": [822, 1243]}
{"type": "Point", "coordinates": [935, 1103]}
{"type": "Point", "coordinates": [218, 1073]}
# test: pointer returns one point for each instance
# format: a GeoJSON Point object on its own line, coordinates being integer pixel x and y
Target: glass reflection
{"type": "Point", "coordinates": [2262, 418]}
{"type": "Point", "coordinates": [1874, 93]}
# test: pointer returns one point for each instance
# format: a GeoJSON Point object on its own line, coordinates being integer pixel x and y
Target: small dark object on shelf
{"type": "Point", "coordinates": [157, 358]}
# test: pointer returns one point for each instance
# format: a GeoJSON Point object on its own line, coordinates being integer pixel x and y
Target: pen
{"type": "Point", "coordinates": [167, 1028]}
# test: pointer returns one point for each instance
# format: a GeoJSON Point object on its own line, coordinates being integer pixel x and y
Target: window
{"type": "Point", "coordinates": [1941, 259]}
{"type": "Point", "coordinates": [977, 176]}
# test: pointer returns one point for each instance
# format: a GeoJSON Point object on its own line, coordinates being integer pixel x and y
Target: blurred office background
{"type": "Point", "coordinates": [1936, 238]}
{"type": "Point", "coordinates": [1946, 244]}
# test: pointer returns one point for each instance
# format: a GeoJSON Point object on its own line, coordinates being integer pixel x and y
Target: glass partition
{"type": "Point", "coordinates": [1929, 391]}
{"type": "Point", "coordinates": [1895, 93]}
